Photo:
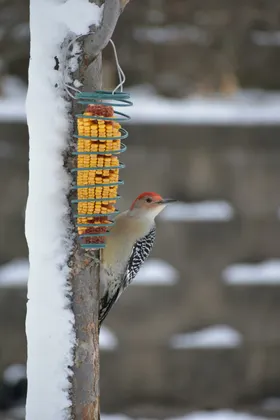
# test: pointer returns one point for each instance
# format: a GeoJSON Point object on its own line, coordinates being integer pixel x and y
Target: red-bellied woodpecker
{"type": "Point", "coordinates": [128, 245]}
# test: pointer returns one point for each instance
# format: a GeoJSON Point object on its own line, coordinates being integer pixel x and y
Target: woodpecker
{"type": "Point", "coordinates": [128, 245]}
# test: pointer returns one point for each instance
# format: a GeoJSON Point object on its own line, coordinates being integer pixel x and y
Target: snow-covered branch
{"type": "Point", "coordinates": [62, 311]}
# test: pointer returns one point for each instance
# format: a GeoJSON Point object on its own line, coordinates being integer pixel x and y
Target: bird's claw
{"type": "Point", "coordinates": [92, 259]}
{"type": "Point", "coordinates": [95, 260]}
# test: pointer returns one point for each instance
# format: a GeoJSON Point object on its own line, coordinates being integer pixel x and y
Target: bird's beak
{"type": "Point", "coordinates": [166, 201]}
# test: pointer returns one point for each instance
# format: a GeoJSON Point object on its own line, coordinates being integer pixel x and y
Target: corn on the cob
{"type": "Point", "coordinates": [93, 127]}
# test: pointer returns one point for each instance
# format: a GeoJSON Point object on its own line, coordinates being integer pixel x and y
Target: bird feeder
{"type": "Point", "coordinates": [98, 144]}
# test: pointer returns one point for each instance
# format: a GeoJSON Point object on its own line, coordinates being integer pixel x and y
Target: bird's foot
{"type": "Point", "coordinates": [92, 258]}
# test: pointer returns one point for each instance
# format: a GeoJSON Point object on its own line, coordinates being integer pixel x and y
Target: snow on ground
{"type": "Point", "coordinates": [170, 34]}
{"type": "Point", "coordinates": [14, 273]}
{"type": "Point", "coordinates": [217, 336]}
{"type": "Point", "coordinates": [219, 415]}
{"type": "Point", "coordinates": [198, 415]}
{"type": "Point", "coordinates": [266, 38]}
{"type": "Point", "coordinates": [266, 272]}
{"type": "Point", "coordinates": [156, 272]}
{"type": "Point", "coordinates": [114, 417]}
{"type": "Point", "coordinates": [49, 322]}
{"type": "Point", "coordinates": [203, 211]}
{"type": "Point", "coordinates": [14, 373]}
{"type": "Point", "coordinates": [244, 107]}
{"type": "Point", "coordinates": [18, 413]}
{"type": "Point", "coordinates": [107, 340]}
{"type": "Point", "coordinates": [12, 102]}
{"type": "Point", "coordinates": [271, 404]}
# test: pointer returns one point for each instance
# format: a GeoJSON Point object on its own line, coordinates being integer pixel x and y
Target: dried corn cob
{"type": "Point", "coordinates": [105, 195]}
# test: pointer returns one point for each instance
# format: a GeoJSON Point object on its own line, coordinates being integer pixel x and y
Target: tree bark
{"type": "Point", "coordinates": [84, 276]}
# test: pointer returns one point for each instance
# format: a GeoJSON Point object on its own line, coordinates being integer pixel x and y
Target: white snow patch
{"type": "Point", "coordinates": [49, 322]}
{"type": "Point", "coordinates": [218, 336]}
{"type": "Point", "coordinates": [171, 33]}
{"type": "Point", "coordinates": [202, 211]}
{"type": "Point", "coordinates": [16, 413]}
{"type": "Point", "coordinates": [219, 415]}
{"type": "Point", "coordinates": [242, 108]}
{"type": "Point", "coordinates": [12, 101]}
{"type": "Point", "coordinates": [107, 340]}
{"type": "Point", "coordinates": [266, 38]}
{"type": "Point", "coordinates": [77, 84]}
{"type": "Point", "coordinates": [271, 404]}
{"type": "Point", "coordinates": [198, 415]}
{"type": "Point", "coordinates": [12, 110]}
{"type": "Point", "coordinates": [13, 87]}
{"type": "Point", "coordinates": [21, 31]}
{"type": "Point", "coordinates": [114, 417]}
{"type": "Point", "coordinates": [266, 272]}
{"type": "Point", "coordinates": [156, 272]}
{"type": "Point", "coordinates": [14, 273]}
{"type": "Point", "coordinates": [14, 373]}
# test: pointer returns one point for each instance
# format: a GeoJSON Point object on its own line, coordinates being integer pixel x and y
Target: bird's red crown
{"type": "Point", "coordinates": [153, 195]}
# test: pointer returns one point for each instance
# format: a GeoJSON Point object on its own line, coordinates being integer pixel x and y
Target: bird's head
{"type": "Point", "coordinates": [149, 204]}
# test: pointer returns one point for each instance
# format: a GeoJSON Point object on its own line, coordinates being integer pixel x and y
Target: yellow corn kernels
{"type": "Point", "coordinates": [90, 181]}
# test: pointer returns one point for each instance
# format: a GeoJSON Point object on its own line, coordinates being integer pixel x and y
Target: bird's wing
{"type": "Point", "coordinates": [139, 253]}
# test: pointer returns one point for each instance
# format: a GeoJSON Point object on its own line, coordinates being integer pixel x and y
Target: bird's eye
{"type": "Point", "coordinates": [149, 200]}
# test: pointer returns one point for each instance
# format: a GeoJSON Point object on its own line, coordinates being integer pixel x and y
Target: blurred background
{"type": "Point", "coordinates": [197, 336]}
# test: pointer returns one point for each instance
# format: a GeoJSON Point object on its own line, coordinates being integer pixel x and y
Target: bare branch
{"type": "Point", "coordinates": [85, 389]}
{"type": "Point", "coordinates": [94, 43]}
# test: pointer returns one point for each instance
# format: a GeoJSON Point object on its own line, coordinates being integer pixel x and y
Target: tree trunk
{"type": "Point", "coordinates": [84, 271]}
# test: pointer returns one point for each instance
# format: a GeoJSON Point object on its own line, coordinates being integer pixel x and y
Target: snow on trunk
{"type": "Point", "coordinates": [50, 321]}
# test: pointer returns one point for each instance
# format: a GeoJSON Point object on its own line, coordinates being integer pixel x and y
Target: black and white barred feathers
{"type": "Point", "coordinates": [139, 253]}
